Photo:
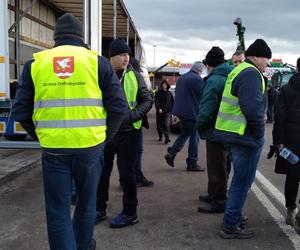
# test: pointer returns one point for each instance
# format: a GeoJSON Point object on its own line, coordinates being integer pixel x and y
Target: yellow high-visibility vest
{"type": "Point", "coordinates": [131, 87]}
{"type": "Point", "coordinates": [68, 105]}
{"type": "Point", "coordinates": [230, 117]}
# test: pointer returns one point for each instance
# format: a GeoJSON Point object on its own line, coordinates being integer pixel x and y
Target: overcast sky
{"type": "Point", "coordinates": [187, 29]}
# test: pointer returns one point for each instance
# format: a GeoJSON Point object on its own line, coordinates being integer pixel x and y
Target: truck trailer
{"type": "Point", "coordinates": [27, 27]}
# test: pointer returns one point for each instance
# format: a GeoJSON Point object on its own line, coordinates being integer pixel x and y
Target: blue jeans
{"type": "Point", "coordinates": [58, 172]}
{"type": "Point", "coordinates": [138, 163]}
{"type": "Point", "coordinates": [187, 131]}
{"type": "Point", "coordinates": [244, 161]}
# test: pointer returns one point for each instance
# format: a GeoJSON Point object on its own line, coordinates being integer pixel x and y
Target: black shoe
{"type": "Point", "coordinates": [167, 140]}
{"type": "Point", "coordinates": [160, 138]}
{"type": "Point", "coordinates": [100, 216]}
{"type": "Point", "coordinates": [211, 209]}
{"type": "Point", "coordinates": [169, 157]}
{"type": "Point", "coordinates": [195, 168]}
{"type": "Point", "coordinates": [205, 198]}
{"type": "Point", "coordinates": [215, 207]}
{"type": "Point", "coordinates": [144, 182]}
{"type": "Point", "coordinates": [235, 233]}
{"type": "Point", "coordinates": [93, 245]}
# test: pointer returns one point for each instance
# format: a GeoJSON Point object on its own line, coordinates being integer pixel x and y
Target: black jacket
{"type": "Point", "coordinates": [287, 123]}
{"type": "Point", "coordinates": [114, 100]}
{"type": "Point", "coordinates": [164, 100]}
{"type": "Point", "coordinates": [144, 102]}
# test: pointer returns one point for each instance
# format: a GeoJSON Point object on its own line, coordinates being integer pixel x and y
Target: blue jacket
{"type": "Point", "coordinates": [187, 95]}
{"type": "Point", "coordinates": [114, 99]}
{"type": "Point", "coordinates": [210, 100]}
{"type": "Point", "coordinates": [247, 86]}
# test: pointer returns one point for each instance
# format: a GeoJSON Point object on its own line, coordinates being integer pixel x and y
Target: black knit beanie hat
{"type": "Point", "coordinates": [260, 49]}
{"type": "Point", "coordinates": [214, 57]}
{"type": "Point", "coordinates": [68, 26]}
{"type": "Point", "coordinates": [117, 47]}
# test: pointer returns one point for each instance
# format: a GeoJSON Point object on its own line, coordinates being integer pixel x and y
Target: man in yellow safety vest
{"type": "Point", "coordinates": [125, 144]}
{"type": "Point", "coordinates": [70, 100]}
{"type": "Point", "coordinates": [240, 123]}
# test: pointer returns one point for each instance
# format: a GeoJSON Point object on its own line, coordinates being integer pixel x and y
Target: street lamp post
{"type": "Point", "coordinates": [153, 80]}
{"type": "Point", "coordinates": [154, 55]}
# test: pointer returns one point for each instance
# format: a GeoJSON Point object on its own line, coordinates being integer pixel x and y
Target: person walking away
{"type": "Point", "coordinates": [216, 155]}
{"type": "Point", "coordinates": [141, 180]}
{"type": "Point", "coordinates": [125, 143]}
{"type": "Point", "coordinates": [286, 133]}
{"type": "Point", "coordinates": [163, 104]}
{"type": "Point", "coordinates": [186, 107]}
{"type": "Point", "coordinates": [70, 99]}
{"type": "Point", "coordinates": [240, 124]}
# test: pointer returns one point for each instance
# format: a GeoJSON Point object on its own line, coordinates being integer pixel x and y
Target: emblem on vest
{"type": "Point", "coordinates": [63, 67]}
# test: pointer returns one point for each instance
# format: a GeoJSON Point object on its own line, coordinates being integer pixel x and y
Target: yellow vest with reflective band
{"type": "Point", "coordinates": [131, 87]}
{"type": "Point", "coordinates": [68, 106]}
{"type": "Point", "coordinates": [230, 117]}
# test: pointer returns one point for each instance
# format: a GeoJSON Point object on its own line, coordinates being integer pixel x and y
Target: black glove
{"type": "Point", "coordinates": [273, 150]}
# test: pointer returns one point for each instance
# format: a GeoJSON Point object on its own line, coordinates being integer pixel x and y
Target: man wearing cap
{"type": "Point", "coordinates": [125, 144]}
{"type": "Point", "coordinates": [216, 155]}
{"type": "Point", "coordinates": [70, 100]}
{"type": "Point", "coordinates": [186, 107]}
{"type": "Point", "coordinates": [240, 124]}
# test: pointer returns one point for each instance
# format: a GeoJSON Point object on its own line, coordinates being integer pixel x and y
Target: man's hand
{"type": "Point", "coordinates": [274, 150]}
{"type": "Point", "coordinates": [280, 146]}
{"type": "Point", "coordinates": [160, 111]}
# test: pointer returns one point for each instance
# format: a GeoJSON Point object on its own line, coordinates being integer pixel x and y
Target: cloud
{"type": "Point", "coordinates": [198, 25]}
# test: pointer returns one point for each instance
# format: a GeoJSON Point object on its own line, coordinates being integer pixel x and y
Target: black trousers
{"type": "Point", "coordinates": [163, 124]}
{"type": "Point", "coordinates": [291, 189]}
{"type": "Point", "coordinates": [124, 145]}
{"type": "Point", "coordinates": [216, 156]}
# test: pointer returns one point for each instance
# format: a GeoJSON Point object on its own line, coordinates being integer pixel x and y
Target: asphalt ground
{"type": "Point", "coordinates": [167, 211]}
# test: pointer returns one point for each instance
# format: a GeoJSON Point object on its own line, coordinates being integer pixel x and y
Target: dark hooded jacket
{"type": "Point", "coordinates": [164, 99]}
{"type": "Point", "coordinates": [286, 129]}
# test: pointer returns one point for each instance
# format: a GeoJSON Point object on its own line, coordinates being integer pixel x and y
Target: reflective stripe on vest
{"type": "Point", "coordinates": [131, 87]}
{"type": "Point", "coordinates": [68, 103]}
{"type": "Point", "coordinates": [68, 106]}
{"type": "Point", "coordinates": [230, 117]}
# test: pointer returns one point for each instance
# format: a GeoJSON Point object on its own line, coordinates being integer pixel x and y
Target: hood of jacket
{"type": "Point", "coordinates": [222, 70]}
{"type": "Point", "coordinates": [164, 81]}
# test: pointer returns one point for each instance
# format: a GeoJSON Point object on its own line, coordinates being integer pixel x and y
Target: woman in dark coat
{"type": "Point", "coordinates": [163, 103]}
{"type": "Point", "coordinates": [286, 133]}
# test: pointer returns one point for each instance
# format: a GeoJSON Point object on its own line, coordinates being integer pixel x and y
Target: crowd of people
{"type": "Point", "coordinates": [82, 127]}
